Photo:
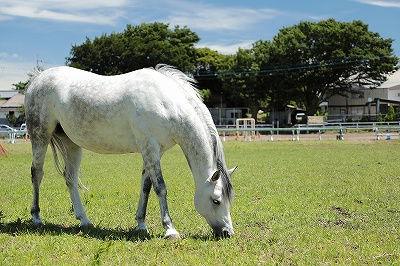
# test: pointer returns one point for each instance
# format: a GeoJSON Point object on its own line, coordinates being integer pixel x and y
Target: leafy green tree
{"type": "Point", "coordinates": [137, 47]}
{"type": "Point", "coordinates": [379, 119]}
{"type": "Point", "coordinates": [390, 116]}
{"type": "Point", "coordinates": [240, 81]}
{"type": "Point", "coordinates": [310, 62]}
{"type": "Point", "coordinates": [16, 120]}
{"type": "Point", "coordinates": [206, 67]}
{"type": "Point", "coordinates": [20, 86]}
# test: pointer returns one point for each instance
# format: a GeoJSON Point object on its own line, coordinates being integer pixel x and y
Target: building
{"type": "Point", "coordinates": [228, 116]}
{"type": "Point", "coordinates": [10, 102]}
{"type": "Point", "coordinates": [364, 102]}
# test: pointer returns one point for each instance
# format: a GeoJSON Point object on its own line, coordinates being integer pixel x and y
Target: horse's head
{"type": "Point", "coordinates": [213, 199]}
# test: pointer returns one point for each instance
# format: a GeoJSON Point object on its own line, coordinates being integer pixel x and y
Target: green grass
{"type": "Point", "coordinates": [302, 203]}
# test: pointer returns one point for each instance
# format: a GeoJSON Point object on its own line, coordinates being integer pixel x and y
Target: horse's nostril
{"type": "Point", "coordinates": [224, 233]}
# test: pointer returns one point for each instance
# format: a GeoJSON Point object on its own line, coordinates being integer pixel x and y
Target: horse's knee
{"type": "Point", "coordinates": [160, 188]}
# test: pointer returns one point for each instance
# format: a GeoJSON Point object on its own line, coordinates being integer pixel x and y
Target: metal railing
{"type": "Point", "coordinates": [378, 128]}
{"type": "Point", "coordinates": [12, 134]}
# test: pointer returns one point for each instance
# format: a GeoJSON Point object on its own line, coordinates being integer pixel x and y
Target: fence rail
{"type": "Point", "coordinates": [379, 129]}
{"type": "Point", "coordinates": [12, 135]}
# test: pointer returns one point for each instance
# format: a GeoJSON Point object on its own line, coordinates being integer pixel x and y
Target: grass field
{"type": "Point", "coordinates": [296, 203]}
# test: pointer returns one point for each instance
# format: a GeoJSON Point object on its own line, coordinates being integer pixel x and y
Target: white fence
{"type": "Point", "coordinates": [379, 129]}
{"type": "Point", "coordinates": [12, 135]}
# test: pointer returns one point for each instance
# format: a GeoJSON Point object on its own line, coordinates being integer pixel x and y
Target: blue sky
{"type": "Point", "coordinates": [43, 31]}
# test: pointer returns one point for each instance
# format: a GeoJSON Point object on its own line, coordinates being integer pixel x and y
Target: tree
{"type": "Point", "coordinates": [310, 62]}
{"type": "Point", "coordinates": [207, 65]}
{"type": "Point", "coordinates": [137, 47]}
{"type": "Point", "coordinates": [240, 80]}
{"type": "Point", "coordinates": [16, 120]}
{"type": "Point", "coordinates": [20, 86]}
{"type": "Point", "coordinates": [390, 116]}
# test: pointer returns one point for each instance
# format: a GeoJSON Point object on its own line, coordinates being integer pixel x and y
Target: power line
{"type": "Point", "coordinates": [332, 63]}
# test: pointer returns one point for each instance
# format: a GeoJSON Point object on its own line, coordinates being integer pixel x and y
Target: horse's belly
{"type": "Point", "coordinates": [117, 141]}
{"type": "Point", "coordinates": [113, 145]}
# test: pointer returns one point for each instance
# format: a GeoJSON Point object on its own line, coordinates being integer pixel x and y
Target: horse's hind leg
{"type": "Point", "coordinates": [72, 162]}
{"type": "Point", "coordinates": [142, 205]}
{"type": "Point", "coordinates": [39, 152]}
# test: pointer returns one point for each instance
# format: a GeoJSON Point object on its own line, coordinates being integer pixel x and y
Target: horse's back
{"type": "Point", "coordinates": [108, 114]}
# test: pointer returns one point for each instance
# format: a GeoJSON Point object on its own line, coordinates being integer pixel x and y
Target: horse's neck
{"type": "Point", "coordinates": [198, 144]}
{"type": "Point", "coordinates": [199, 154]}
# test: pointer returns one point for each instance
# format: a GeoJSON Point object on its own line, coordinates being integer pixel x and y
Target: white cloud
{"type": "Point", "coordinates": [228, 49]}
{"type": "Point", "coordinates": [87, 11]}
{"type": "Point", "coordinates": [381, 3]}
{"type": "Point", "coordinates": [318, 18]}
{"type": "Point", "coordinates": [208, 17]}
{"type": "Point", "coordinates": [4, 55]}
{"type": "Point", "coordinates": [197, 15]}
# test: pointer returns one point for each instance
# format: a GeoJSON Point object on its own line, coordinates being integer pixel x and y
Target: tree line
{"type": "Point", "coordinates": [302, 65]}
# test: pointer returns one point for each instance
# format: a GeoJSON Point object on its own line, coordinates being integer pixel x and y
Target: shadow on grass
{"type": "Point", "coordinates": [21, 227]}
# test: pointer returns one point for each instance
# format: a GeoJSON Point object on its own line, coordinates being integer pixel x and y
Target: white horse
{"type": "Point", "coordinates": [146, 111]}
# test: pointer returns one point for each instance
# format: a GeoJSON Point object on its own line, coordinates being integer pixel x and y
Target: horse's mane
{"type": "Point", "coordinates": [187, 83]}
{"type": "Point", "coordinates": [189, 86]}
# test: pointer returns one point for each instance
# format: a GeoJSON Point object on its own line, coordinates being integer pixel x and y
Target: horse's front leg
{"type": "Point", "coordinates": [152, 169]}
{"type": "Point", "coordinates": [161, 190]}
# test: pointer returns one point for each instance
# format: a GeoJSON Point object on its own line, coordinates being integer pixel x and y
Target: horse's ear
{"type": "Point", "coordinates": [231, 171]}
{"type": "Point", "coordinates": [216, 176]}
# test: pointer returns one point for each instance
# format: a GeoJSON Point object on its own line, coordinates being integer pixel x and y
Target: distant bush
{"type": "Point", "coordinates": [390, 116]}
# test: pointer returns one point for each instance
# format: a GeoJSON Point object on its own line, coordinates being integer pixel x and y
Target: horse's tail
{"type": "Point", "coordinates": [60, 160]}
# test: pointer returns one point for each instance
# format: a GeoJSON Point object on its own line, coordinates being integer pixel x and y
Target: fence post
{"type": "Point", "coordinates": [11, 137]}
{"type": "Point", "coordinates": [341, 134]}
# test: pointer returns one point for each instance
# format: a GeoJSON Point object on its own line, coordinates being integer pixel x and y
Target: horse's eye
{"type": "Point", "coordinates": [216, 202]}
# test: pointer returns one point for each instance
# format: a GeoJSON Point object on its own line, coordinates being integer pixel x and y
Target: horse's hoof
{"type": "Point", "coordinates": [172, 234]}
{"type": "Point", "coordinates": [172, 237]}
{"type": "Point", "coordinates": [38, 225]}
{"type": "Point", "coordinates": [86, 227]}
{"type": "Point", "coordinates": [36, 221]}
{"type": "Point", "coordinates": [142, 235]}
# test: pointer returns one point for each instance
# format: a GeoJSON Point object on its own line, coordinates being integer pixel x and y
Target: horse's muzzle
{"type": "Point", "coordinates": [223, 233]}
